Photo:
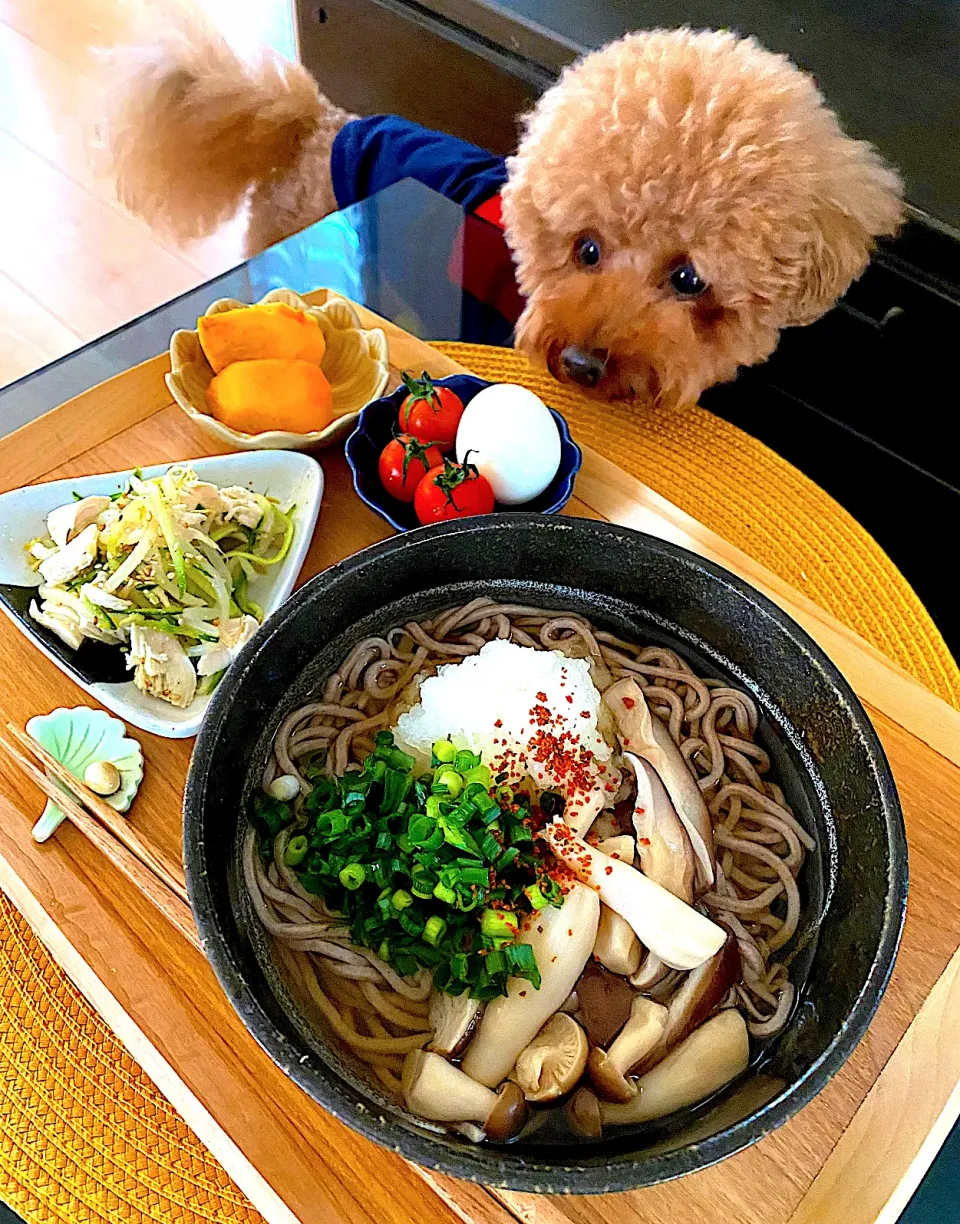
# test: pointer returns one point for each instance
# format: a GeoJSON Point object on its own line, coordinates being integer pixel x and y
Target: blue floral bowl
{"type": "Point", "coordinates": [376, 427]}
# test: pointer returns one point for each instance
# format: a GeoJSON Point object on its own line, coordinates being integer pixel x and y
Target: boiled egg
{"type": "Point", "coordinates": [513, 441]}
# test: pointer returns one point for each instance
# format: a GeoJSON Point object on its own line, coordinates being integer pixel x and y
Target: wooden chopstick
{"type": "Point", "coordinates": [169, 873]}
{"type": "Point", "coordinates": [125, 860]}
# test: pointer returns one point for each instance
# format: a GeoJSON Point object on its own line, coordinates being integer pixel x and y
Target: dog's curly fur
{"type": "Point", "coordinates": [665, 147]}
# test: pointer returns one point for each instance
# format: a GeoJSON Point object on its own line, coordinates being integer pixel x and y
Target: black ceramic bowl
{"type": "Point", "coordinates": [376, 427]}
{"type": "Point", "coordinates": [824, 751]}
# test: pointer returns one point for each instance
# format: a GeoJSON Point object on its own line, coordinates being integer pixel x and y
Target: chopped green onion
{"type": "Point", "coordinates": [455, 836]}
{"type": "Point", "coordinates": [490, 848]}
{"type": "Point", "coordinates": [423, 885]}
{"type": "Point", "coordinates": [480, 774]}
{"type": "Point", "coordinates": [474, 875]}
{"type": "Point", "coordinates": [411, 921]}
{"type": "Point", "coordinates": [445, 894]}
{"type": "Point", "coordinates": [494, 963]}
{"type": "Point", "coordinates": [464, 761]}
{"type": "Point", "coordinates": [353, 875]}
{"type": "Point", "coordinates": [401, 899]}
{"type": "Point", "coordinates": [499, 924]}
{"type": "Point", "coordinates": [507, 859]}
{"type": "Point", "coordinates": [523, 963]}
{"type": "Point", "coordinates": [535, 896]}
{"type": "Point", "coordinates": [451, 781]}
{"type": "Point", "coordinates": [332, 824]}
{"type": "Point", "coordinates": [296, 851]}
{"type": "Point", "coordinates": [434, 930]}
{"type": "Point", "coordinates": [396, 783]}
{"type": "Point", "coordinates": [444, 752]}
{"type": "Point", "coordinates": [271, 814]}
{"type": "Point", "coordinates": [425, 832]}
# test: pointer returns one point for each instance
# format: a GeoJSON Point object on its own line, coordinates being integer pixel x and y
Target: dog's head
{"type": "Point", "coordinates": [678, 198]}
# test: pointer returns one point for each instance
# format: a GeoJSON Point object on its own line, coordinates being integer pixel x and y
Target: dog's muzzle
{"type": "Point", "coordinates": [585, 368]}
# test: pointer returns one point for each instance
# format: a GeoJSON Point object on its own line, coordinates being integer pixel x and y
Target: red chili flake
{"type": "Point", "coordinates": [569, 698]}
{"type": "Point", "coordinates": [609, 870]}
{"type": "Point", "coordinates": [644, 841]}
{"type": "Point", "coordinates": [539, 930]}
{"type": "Point", "coordinates": [629, 702]}
{"type": "Point", "coordinates": [626, 741]}
{"type": "Point", "coordinates": [584, 713]}
{"type": "Point", "coordinates": [498, 724]}
{"type": "Point", "coordinates": [541, 696]}
{"type": "Point", "coordinates": [640, 811]}
{"type": "Point", "coordinates": [523, 994]}
{"type": "Point", "coordinates": [609, 788]}
{"type": "Point", "coordinates": [570, 933]}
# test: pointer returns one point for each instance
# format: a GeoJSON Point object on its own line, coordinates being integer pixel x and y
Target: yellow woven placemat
{"type": "Point", "coordinates": [747, 494]}
{"type": "Point", "coordinates": [85, 1136]}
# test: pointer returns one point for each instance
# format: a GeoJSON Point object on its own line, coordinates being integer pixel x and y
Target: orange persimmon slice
{"type": "Point", "coordinates": [252, 332]}
{"type": "Point", "coordinates": [271, 393]}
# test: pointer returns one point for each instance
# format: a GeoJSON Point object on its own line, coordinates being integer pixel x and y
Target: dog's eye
{"type": "Point", "coordinates": [586, 252]}
{"type": "Point", "coordinates": [686, 281]}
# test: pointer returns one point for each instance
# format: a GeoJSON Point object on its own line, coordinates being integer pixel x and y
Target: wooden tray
{"type": "Point", "coordinates": [854, 1154]}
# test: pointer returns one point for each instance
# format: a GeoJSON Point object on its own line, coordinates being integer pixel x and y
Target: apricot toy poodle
{"type": "Point", "coordinates": [677, 197]}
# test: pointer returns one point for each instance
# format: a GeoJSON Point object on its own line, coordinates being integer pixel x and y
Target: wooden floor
{"type": "Point", "coordinates": [73, 265]}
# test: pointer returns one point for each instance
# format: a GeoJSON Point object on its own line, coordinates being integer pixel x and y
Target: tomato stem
{"type": "Point", "coordinates": [454, 475]}
{"type": "Point", "coordinates": [422, 388]}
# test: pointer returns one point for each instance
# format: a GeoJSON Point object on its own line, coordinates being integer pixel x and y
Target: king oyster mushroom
{"type": "Point", "coordinates": [652, 970]}
{"type": "Point", "coordinates": [554, 1061]}
{"type": "Point", "coordinates": [619, 846]}
{"type": "Point", "coordinates": [645, 735]}
{"type": "Point", "coordinates": [700, 992]}
{"type": "Point", "coordinates": [710, 1057]}
{"type": "Point", "coordinates": [453, 1019]}
{"type": "Point", "coordinates": [562, 940]}
{"type": "Point", "coordinates": [439, 1091]}
{"type": "Point", "coordinates": [642, 1032]}
{"type": "Point", "coordinates": [617, 947]}
{"type": "Point", "coordinates": [680, 935]}
{"type": "Point", "coordinates": [663, 847]}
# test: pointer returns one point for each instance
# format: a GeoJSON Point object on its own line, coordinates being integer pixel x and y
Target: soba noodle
{"type": "Point", "coordinates": [759, 842]}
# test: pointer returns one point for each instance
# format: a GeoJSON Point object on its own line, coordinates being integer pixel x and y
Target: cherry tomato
{"type": "Point", "coordinates": [403, 464]}
{"type": "Point", "coordinates": [455, 490]}
{"type": "Point", "coordinates": [429, 412]}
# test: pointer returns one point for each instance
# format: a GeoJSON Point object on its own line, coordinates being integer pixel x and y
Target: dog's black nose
{"type": "Point", "coordinates": [585, 368]}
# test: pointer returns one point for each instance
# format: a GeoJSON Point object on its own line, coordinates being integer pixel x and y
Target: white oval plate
{"type": "Point", "coordinates": [285, 475]}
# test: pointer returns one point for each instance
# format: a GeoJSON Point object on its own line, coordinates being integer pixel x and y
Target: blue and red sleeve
{"type": "Point", "coordinates": [371, 154]}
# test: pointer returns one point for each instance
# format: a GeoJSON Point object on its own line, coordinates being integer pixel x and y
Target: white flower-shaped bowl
{"type": "Point", "coordinates": [355, 363]}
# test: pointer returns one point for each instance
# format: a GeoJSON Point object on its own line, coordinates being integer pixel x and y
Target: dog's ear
{"type": "Point", "coordinates": [861, 199]}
